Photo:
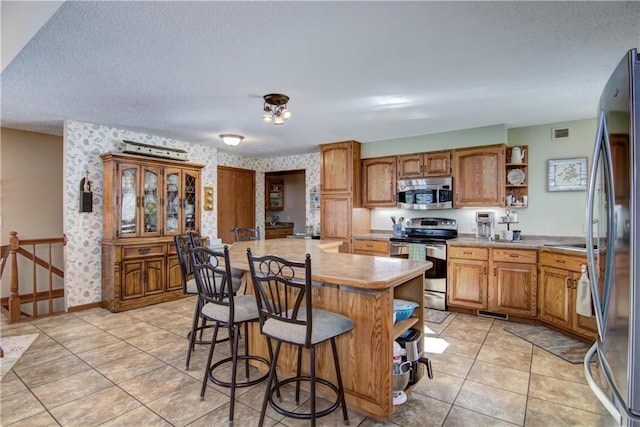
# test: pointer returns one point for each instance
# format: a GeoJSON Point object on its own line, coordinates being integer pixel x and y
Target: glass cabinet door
{"type": "Point", "coordinates": [172, 185]}
{"type": "Point", "coordinates": [190, 199]}
{"type": "Point", "coordinates": [150, 202]}
{"type": "Point", "coordinates": [128, 200]}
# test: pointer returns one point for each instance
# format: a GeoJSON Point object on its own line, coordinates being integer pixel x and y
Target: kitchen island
{"type": "Point", "coordinates": [362, 288]}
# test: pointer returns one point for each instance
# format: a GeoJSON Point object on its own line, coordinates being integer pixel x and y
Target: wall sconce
{"type": "Point", "coordinates": [86, 195]}
{"type": "Point", "coordinates": [208, 198]}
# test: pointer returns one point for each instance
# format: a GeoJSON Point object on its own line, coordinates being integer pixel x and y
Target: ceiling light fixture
{"type": "Point", "coordinates": [275, 108]}
{"type": "Point", "coordinates": [231, 139]}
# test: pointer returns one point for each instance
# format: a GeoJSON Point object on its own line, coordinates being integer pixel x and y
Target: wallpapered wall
{"type": "Point", "coordinates": [83, 144]}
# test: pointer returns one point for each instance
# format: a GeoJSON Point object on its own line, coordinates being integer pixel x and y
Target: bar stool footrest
{"type": "Point", "coordinates": [246, 383]}
{"type": "Point", "coordinates": [304, 415]}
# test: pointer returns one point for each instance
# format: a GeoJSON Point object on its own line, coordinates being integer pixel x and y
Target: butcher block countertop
{"type": "Point", "coordinates": [358, 271]}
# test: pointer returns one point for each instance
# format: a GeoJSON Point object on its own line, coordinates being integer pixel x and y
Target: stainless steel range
{"type": "Point", "coordinates": [425, 238]}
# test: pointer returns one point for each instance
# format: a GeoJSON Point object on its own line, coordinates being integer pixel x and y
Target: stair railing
{"type": "Point", "coordinates": [12, 306]}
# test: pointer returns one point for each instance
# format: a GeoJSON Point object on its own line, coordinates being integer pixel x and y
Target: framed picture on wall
{"type": "Point", "coordinates": [568, 174]}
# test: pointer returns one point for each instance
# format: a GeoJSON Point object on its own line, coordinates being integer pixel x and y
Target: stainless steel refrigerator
{"type": "Point", "coordinates": [612, 212]}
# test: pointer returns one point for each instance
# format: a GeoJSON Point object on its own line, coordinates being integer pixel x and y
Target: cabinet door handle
{"type": "Point", "coordinates": [495, 272]}
{"type": "Point", "coordinates": [561, 261]}
{"type": "Point", "coordinates": [514, 256]}
{"type": "Point", "coordinates": [568, 281]}
{"type": "Point", "coordinates": [144, 251]}
{"type": "Point", "coordinates": [485, 270]}
{"type": "Point", "coordinates": [467, 253]}
{"type": "Point", "coordinates": [369, 245]}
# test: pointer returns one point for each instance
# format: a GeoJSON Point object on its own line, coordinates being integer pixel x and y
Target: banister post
{"type": "Point", "coordinates": [14, 297]}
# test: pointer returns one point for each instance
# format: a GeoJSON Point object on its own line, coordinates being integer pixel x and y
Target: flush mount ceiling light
{"type": "Point", "coordinates": [275, 108]}
{"type": "Point", "coordinates": [231, 139]}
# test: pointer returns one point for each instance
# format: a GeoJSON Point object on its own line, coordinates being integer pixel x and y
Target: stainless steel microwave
{"type": "Point", "coordinates": [425, 193]}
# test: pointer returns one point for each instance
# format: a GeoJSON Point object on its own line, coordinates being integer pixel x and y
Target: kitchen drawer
{"type": "Point", "coordinates": [514, 255]}
{"type": "Point", "coordinates": [371, 246]}
{"type": "Point", "coordinates": [562, 261]}
{"type": "Point", "coordinates": [143, 250]}
{"type": "Point", "coordinates": [467, 252]}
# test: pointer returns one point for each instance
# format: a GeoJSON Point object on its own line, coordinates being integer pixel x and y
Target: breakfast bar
{"type": "Point", "coordinates": [362, 288]}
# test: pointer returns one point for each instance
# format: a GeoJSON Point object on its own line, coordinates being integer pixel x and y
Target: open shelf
{"type": "Point", "coordinates": [402, 326]}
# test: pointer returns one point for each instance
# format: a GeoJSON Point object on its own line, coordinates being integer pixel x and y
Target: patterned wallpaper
{"type": "Point", "coordinates": [83, 144]}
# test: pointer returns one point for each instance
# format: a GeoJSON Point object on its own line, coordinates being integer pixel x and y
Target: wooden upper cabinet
{"type": "Point", "coordinates": [478, 177]}
{"type": "Point", "coordinates": [437, 163]}
{"type": "Point", "coordinates": [340, 169]}
{"type": "Point", "coordinates": [379, 178]}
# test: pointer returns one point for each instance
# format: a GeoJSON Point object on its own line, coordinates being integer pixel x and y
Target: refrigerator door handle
{"type": "Point", "coordinates": [608, 403]}
{"type": "Point", "coordinates": [601, 395]}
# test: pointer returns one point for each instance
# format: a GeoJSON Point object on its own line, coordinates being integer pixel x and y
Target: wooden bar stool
{"type": "Point", "coordinates": [283, 294]}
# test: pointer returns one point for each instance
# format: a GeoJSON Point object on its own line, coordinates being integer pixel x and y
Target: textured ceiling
{"type": "Point", "coordinates": [354, 70]}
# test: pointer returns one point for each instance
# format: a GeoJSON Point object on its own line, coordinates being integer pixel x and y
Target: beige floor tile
{"type": "Point", "coordinates": [38, 355]}
{"type": "Point", "coordinates": [558, 368]}
{"type": "Point", "coordinates": [508, 342]}
{"type": "Point", "coordinates": [253, 398]}
{"type": "Point", "coordinates": [18, 406]}
{"type": "Point", "coordinates": [461, 347]}
{"type": "Point", "coordinates": [50, 325]}
{"type": "Point", "coordinates": [503, 357]}
{"type": "Point", "coordinates": [443, 387]}
{"type": "Point", "coordinates": [499, 325]}
{"type": "Point", "coordinates": [157, 383]}
{"type": "Point", "coordinates": [537, 351]}
{"type": "Point", "coordinates": [109, 353]}
{"type": "Point", "coordinates": [451, 364]}
{"type": "Point", "coordinates": [135, 329]}
{"type": "Point", "coordinates": [170, 352]}
{"type": "Point", "coordinates": [43, 419]}
{"type": "Point", "coordinates": [494, 402]}
{"type": "Point", "coordinates": [421, 411]}
{"type": "Point", "coordinates": [75, 386]}
{"type": "Point", "coordinates": [130, 367]}
{"type": "Point", "coordinates": [462, 417]}
{"type": "Point", "coordinates": [141, 416]}
{"type": "Point", "coordinates": [111, 321]}
{"type": "Point", "coordinates": [89, 342]}
{"type": "Point", "coordinates": [464, 332]}
{"type": "Point", "coordinates": [11, 384]}
{"type": "Point", "coordinates": [153, 340]}
{"type": "Point", "coordinates": [541, 413]}
{"type": "Point", "coordinates": [183, 405]}
{"type": "Point", "coordinates": [469, 321]}
{"type": "Point", "coordinates": [335, 418]}
{"type": "Point", "coordinates": [21, 328]}
{"type": "Point", "coordinates": [51, 371]}
{"type": "Point", "coordinates": [569, 393]}
{"type": "Point", "coordinates": [169, 319]}
{"type": "Point", "coordinates": [434, 328]}
{"type": "Point", "coordinates": [500, 376]}
{"type": "Point", "coordinates": [95, 408]}
{"type": "Point", "coordinates": [242, 416]}
{"type": "Point", "coordinates": [369, 422]}
{"type": "Point", "coordinates": [77, 331]}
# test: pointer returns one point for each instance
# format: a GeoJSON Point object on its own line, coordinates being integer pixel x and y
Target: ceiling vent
{"type": "Point", "coordinates": [560, 133]}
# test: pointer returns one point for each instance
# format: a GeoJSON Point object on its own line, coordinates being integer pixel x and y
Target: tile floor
{"type": "Point", "coordinates": [127, 369]}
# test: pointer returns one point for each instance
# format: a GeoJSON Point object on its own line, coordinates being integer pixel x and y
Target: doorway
{"type": "Point", "coordinates": [293, 210]}
{"type": "Point", "coordinates": [236, 201]}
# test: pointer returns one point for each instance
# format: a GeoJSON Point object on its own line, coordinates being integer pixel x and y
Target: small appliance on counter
{"type": "Point", "coordinates": [485, 225]}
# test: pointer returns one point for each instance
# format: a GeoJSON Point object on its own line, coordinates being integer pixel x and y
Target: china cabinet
{"type": "Point", "coordinates": [146, 201]}
{"type": "Point", "coordinates": [274, 194]}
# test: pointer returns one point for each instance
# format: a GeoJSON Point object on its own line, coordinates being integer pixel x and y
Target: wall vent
{"type": "Point", "coordinates": [560, 133]}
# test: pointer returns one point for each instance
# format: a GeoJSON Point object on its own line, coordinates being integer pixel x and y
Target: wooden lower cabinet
{"type": "Point", "coordinates": [513, 286]}
{"type": "Point", "coordinates": [136, 274]}
{"type": "Point", "coordinates": [498, 280]}
{"type": "Point", "coordinates": [277, 232]}
{"type": "Point", "coordinates": [371, 247]}
{"type": "Point", "coordinates": [467, 277]}
{"type": "Point", "coordinates": [559, 275]}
